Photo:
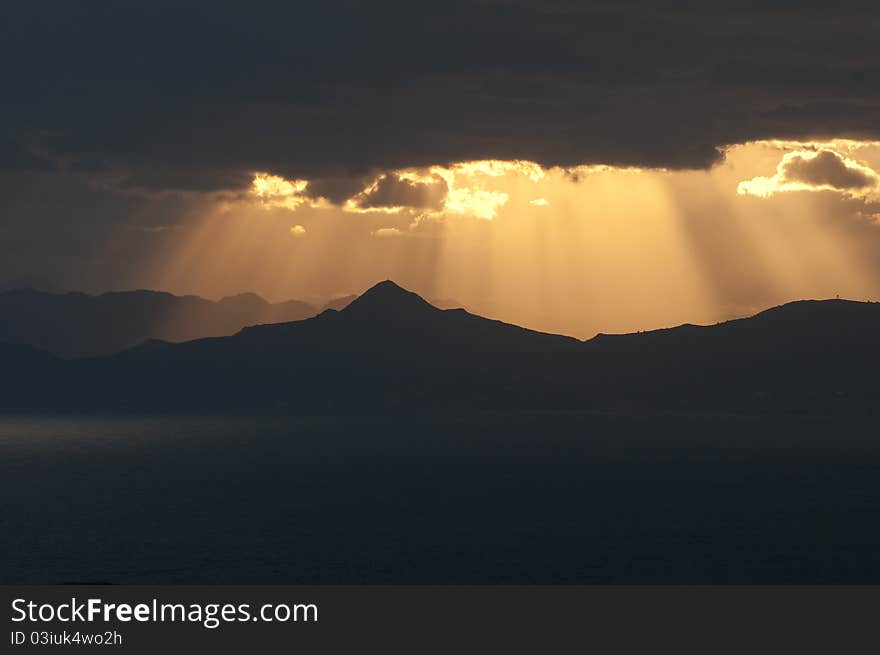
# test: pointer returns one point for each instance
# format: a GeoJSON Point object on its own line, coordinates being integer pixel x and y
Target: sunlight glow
{"type": "Point", "coordinates": [386, 232]}
{"type": "Point", "coordinates": [479, 203]}
{"type": "Point", "coordinates": [576, 250]}
{"type": "Point", "coordinates": [275, 191]}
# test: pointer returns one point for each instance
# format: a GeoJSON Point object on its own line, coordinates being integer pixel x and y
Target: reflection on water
{"type": "Point", "coordinates": [427, 499]}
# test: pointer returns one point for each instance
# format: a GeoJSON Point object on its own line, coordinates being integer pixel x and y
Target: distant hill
{"type": "Point", "coordinates": [391, 349]}
{"type": "Point", "coordinates": [12, 355]}
{"type": "Point", "coordinates": [340, 303]}
{"type": "Point", "coordinates": [807, 354]}
{"type": "Point", "coordinates": [34, 282]}
{"type": "Point", "coordinates": [81, 325]}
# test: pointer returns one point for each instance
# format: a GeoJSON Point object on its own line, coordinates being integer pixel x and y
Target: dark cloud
{"type": "Point", "coordinates": [393, 191]}
{"type": "Point", "coordinates": [201, 95]}
{"type": "Point", "coordinates": [338, 188]}
{"type": "Point", "coordinates": [828, 168]}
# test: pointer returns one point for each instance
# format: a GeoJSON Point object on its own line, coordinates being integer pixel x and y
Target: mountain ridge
{"type": "Point", "coordinates": [392, 349]}
{"type": "Point", "coordinates": [75, 324]}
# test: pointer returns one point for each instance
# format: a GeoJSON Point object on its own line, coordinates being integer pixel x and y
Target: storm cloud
{"type": "Point", "coordinates": [199, 96]}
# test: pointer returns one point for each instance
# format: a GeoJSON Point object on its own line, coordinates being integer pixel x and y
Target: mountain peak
{"type": "Point", "coordinates": [387, 299]}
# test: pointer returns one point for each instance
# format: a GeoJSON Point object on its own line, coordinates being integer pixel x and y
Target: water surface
{"type": "Point", "coordinates": [531, 498]}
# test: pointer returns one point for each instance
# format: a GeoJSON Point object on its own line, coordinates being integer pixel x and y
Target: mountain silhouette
{"type": "Point", "coordinates": [81, 325]}
{"type": "Point", "coordinates": [447, 303]}
{"type": "Point", "coordinates": [339, 303]}
{"type": "Point", "coordinates": [387, 300]}
{"type": "Point", "coordinates": [391, 349]}
{"type": "Point", "coordinates": [33, 282]}
{"type": "Point", "coordinates": [12, 355]}
{"type": "Point", "coordinates": [443, 303]}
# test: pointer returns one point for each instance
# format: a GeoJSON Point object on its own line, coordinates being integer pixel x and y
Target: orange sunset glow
{"type": "Point", "coordinates": [576, 251]}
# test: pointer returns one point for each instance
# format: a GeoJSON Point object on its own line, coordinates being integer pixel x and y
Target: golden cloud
{"type": "Point", "coordinates": [463, 188]}
{"type": "Point", "coordinates": [468, 193]}
{"type": "Point", "coordinates": [815, 170]}
{"type": "Point", "coordinates": [275, 191]}
{"type": "Point", "coordinates": [468, 188]}
{"type": "Point", "coordinates": [498, 168]}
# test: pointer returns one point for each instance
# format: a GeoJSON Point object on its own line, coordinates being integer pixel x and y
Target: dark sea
{"type": "Point", "coordinates": [439, 499]}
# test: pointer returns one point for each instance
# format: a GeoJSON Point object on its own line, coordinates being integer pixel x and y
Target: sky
{"type": "Point", "coordinates": [572, 167]}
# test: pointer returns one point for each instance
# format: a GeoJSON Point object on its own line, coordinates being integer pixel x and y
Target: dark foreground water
{"type": "Point", "coordinates": [439, 499]}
